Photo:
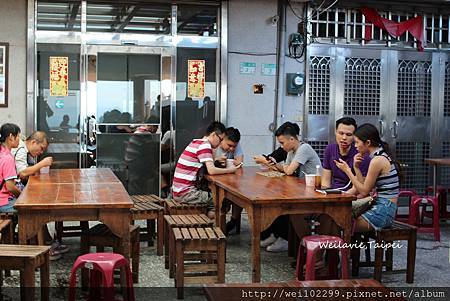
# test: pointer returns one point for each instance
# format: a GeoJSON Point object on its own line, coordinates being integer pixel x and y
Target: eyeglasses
{"type": "Point", "coordinates": [220, 138]}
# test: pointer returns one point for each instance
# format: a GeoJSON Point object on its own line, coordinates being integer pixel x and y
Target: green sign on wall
{"type": "Point", "coordinates": [247, 68]}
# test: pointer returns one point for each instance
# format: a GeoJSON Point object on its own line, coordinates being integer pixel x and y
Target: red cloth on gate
{"type": "Point", "coordinates": [414, 26]}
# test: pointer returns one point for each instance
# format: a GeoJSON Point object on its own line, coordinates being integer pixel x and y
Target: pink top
{"type": "Point", "coordinates": [7, 172]}
{"type": "Point", "coordinates": [190, 162]}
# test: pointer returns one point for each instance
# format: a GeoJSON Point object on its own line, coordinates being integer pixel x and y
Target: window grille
{"type": "Point", "coordinates": [362, 86]}
{"type": "Point", "coordinates": [347, 26]}
{"type": "Point", "coordinates": [411, 156]}
{"type": "Point", "coordinates": [414, 88]}
{"type": "Point", "coordinates": [319, 85]}
{"type": "Point", "coordinates": [447, 90]}
{"type": "Point", "coordinates": [445, 170]}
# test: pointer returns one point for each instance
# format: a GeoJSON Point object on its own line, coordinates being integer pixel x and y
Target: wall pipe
{"type": "Point", "coordinates": [281, 49]}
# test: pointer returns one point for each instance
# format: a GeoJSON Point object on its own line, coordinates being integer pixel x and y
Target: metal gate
{"type": "Point", "coordinates": [406, 94]}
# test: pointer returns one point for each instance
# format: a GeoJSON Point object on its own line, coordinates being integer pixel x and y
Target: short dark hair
{"type": "Point", "coordinates": [233, 134]}
{"type": "Point", "coordinates": [288, 129]}
{"type": "Point", "coordinates": [346, 121]}
{"type": "Point", "coordinates": [8, 129]}
{"type": "Point", "coordinates": [217, 127]}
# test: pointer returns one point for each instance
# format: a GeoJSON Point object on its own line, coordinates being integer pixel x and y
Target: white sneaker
{"type": "Point", "coordinates": [268, 241]}
{"type": "Point", "coordinates": [280, 245]}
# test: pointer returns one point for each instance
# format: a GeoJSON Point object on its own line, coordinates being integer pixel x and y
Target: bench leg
{"type": "Point", "coordinates": [221, 261]}
{"type": "Point", "coordinates": [356, 255]}
{"type": "Point", "coordinates": [389, 257]}
{"type": "Point", "coordinates": [150, 231]}
{"type": "Point", "coordinates": [45, 280]}
{"type": "Point", "coordinates": [179, 277]}
{"type": "Point", "coordinates": [166, 245]}
{"type": "Point", "coordinates": [160, 233]}
{"type": "Point", "coordinates": [378, 266]}
{"type": "Point", "coordinates": [411, 258]}
{"type": "Point", "coordinates": [172, 254]}
{"type": "Point", "coordinates": [28, 282]}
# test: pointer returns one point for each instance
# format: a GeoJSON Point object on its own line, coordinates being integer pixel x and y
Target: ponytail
{"type": "Point", "coordinates": [8, 129]}
{"type": "Point", "coordinates": [397, 164]}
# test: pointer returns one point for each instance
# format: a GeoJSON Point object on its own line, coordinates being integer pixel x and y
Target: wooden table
{"type": "Point", "coordinates": [435, 162]}
{"type": "Point", "coordinates": [74, 195]}
{"type": "Point", "coordinates": [304, 290]}
{"type": "Point", "coordinates": [267, 198]}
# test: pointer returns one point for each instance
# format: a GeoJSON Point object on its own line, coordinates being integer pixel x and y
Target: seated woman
{"type": "Point", "coordinates": [9, 138]}
{"type": "Point", "coordinates": [382, 177]}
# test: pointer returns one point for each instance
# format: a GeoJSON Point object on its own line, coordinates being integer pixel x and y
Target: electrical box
{"type": "Point", "coordinates": [295, 83]}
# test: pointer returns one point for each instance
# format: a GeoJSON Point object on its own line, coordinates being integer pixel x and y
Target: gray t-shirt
{"type": "Point", "coordinates": [307, 157]}
{"type": "Point", "coordinates": [230, 155]}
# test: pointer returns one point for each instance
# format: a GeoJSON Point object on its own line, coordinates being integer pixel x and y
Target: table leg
{"type": "Point", "coordinates": [256, 251]}
{"type": "Point", "coordinates": [222, 214]}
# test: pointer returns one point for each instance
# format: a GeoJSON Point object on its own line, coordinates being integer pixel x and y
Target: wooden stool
{"type": "Point", "coordinates": [173, 207]}
{"type": "Point", "coordinates": [27, 259]}
{"type": "Point", "coordinates": [179, 221]}
{"type": "Point", "coordinates": [398, 231]}
{"type": "Point", "coordinates": [144, 208]}
{"type": "Point", "coordinates": [205, 262]}
{"type": "Point", "coordinates": [101, 236]}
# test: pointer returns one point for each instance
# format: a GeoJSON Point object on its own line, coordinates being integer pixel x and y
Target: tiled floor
{"type": "Point", "coordinates": [432, 267]}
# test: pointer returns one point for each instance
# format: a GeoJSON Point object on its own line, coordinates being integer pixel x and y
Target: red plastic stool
{"type": "Point", "coordinates": [102, 266]}
{"type": "Point", "coordinates": [407, 193]}
{"type": "Point", "coordinates": [416, 217]}
{"type": "Point", "coordinates": [313, 244]}
{"type": "Point", "coordinates": [442, 190]}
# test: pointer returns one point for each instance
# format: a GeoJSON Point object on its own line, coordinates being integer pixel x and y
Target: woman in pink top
{"type": "Point", "coordinates": [9, 138]}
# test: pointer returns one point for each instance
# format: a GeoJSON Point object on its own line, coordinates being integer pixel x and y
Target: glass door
{"type": "Point", "coordinates": [126, 90]}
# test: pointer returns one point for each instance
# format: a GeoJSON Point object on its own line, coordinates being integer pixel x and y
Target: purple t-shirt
{"type": "Point", "coordinates": [338, 177]}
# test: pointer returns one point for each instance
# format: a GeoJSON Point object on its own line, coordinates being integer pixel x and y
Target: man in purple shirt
{"type": "Point", "coordinates": [343, 149]}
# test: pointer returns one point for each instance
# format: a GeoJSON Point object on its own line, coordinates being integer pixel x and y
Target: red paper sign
{"type": "Point", "coordinates": [59, 75]}
{"type": "Point", "coordinates": [196, 78]}
{"type": "Point", "coordinates": [414, 26]}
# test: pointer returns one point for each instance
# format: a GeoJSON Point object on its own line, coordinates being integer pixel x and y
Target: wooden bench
{"type": "Point", "coordinates": [27, 259]}
{"type": "Point", "coordinates": [144, 208]}
{"type": "Point", "coordinates": [100, 236]}
{"type": "Point", "coordinates": [179, 221]}
{"type": "Point", "coordinates": [173, 207]}
{"type": "Point", "coordinates": [200, 257]}
{"type": "Point", "coordinates": [398, 231]}
{"type": "Point", "coordinates": [70, 231]}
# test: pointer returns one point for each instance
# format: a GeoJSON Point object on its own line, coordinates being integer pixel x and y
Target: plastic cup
{"type": "Point", "coordinates": [230, 162]}
{"type": "Point", "coordinates": [318, 182]}
{"type": "Point", "coordinates": [45, 169]}
{"type": "Point", "coordinates": [310, 180]}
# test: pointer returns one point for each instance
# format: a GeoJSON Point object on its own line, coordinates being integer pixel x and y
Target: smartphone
{"type": "Point", "coordinates": [270, 159]}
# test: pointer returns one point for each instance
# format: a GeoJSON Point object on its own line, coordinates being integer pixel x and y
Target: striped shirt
{"type": "Point", "coordinates": [191, 160]}
{"type": "Point", "coordinates": [387, 186]}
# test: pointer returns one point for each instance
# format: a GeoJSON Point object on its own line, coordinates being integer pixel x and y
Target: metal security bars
{"type": "Point", "coordinates": [319, 83]}
{"type": "Point", "coordinates": [447, 91]}
{"type": "Point", "coordinates": [414, 88]}
{"type": "Point", "coordinates": [348, 26]}
{"type": "Point", "coordinates": [362, 86]}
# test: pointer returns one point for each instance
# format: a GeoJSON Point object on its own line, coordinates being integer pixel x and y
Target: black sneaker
{"type": "Point", "coordinates": [230, 225]}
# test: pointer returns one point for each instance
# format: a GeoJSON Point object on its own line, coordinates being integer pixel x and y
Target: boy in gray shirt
{"type": "Point", "coordinates": [301, 157]}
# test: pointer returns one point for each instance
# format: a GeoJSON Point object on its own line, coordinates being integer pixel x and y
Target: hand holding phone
{"type": "Point", "coordinates": [269, 159]}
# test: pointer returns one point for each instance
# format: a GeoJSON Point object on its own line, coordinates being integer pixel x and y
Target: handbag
{"type": "Point", "coordinates": [361, 205]}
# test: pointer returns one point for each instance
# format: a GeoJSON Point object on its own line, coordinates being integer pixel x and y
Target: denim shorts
{"type": "Point", "coordinates": [382, 214]}
{"type": "Point", "coordinates": [10, 206]}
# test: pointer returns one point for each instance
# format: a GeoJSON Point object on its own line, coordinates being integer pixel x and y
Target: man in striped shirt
{"type": "Point", "coordinates": [197, 154]}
